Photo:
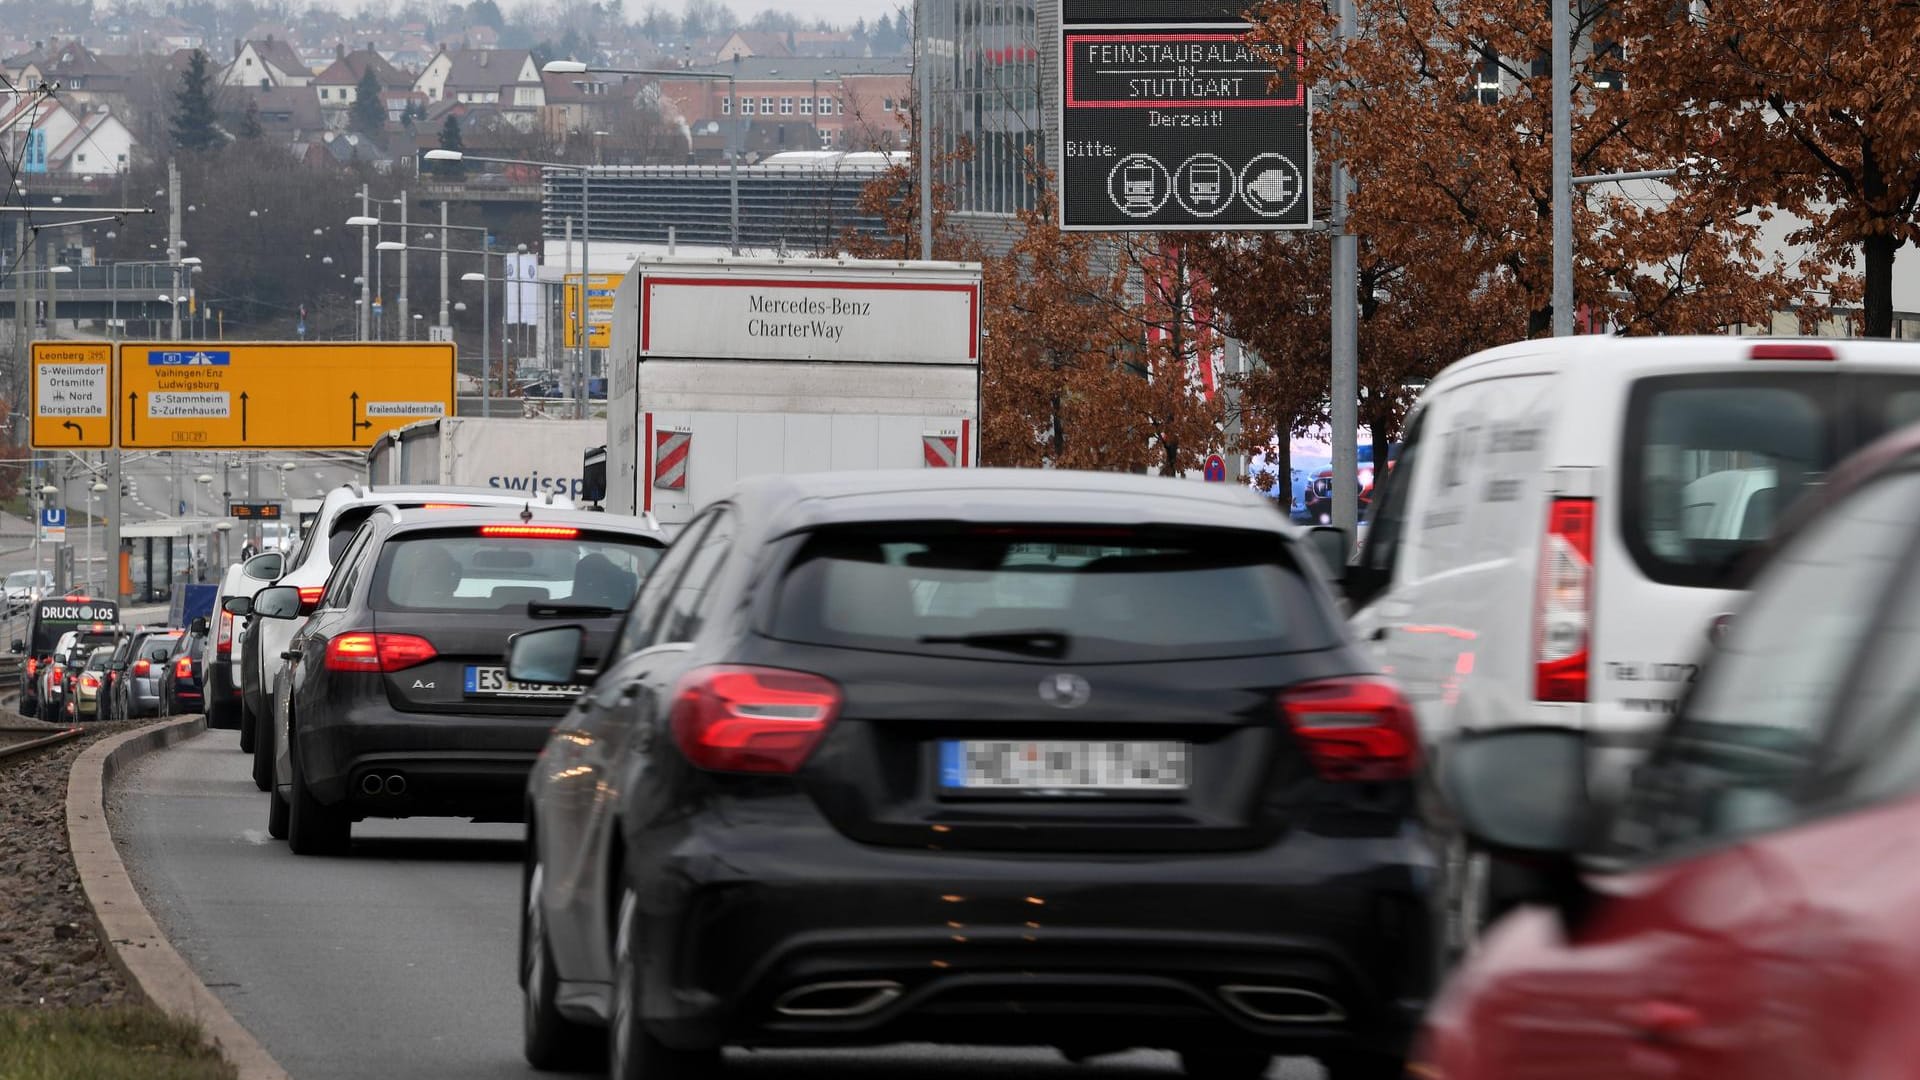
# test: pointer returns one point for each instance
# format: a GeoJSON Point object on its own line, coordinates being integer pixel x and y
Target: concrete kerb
{"type": "Point", "coordinates": [138, 947]}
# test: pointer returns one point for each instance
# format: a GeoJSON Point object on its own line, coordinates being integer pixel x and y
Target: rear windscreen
{"type": "Point", "coordinates": [1121, 596]}
{"type": "Point", "coordinates": [438, 572]}
{"type": "Point", "coordinates": [1711, 463]}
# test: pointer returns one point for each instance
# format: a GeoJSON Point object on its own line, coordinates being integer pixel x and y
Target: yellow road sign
{"type": "Point", "coordinates": [72, 391]}
{"type": "Point", "coordinates": [309, 395]}
{"type": "Point", "coordinates": [600, 292]}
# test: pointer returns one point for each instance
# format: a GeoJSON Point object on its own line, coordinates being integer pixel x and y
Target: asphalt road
{"type": "Point", "coordinates": [398, 960]}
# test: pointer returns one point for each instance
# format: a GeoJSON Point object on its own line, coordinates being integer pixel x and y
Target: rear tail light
{"type": "Point", "coordinates": [223, 642]}
{"type": "Point", "coordinates": [1354, 729]}
{"type": "Point", "coordinates": [310, 596]}
{"type": "Point", "coordinates": [143, 667]}
{"type": "Point", "coordinates": [183, 668]}
{"type": "Point", "coordinates": [531, 532]}
{"type": "Point", "coordinates": [89, 682]}
{"type": "Point", "coordinates": [367, 651]}
{"type": "Point", "coordinates": [752, 719]}
{"type": "Point", "coordinates": [1792, 351]}
{"type": "Point", "coordinates": [33, 665]}
{"type": "Point", "coordinates": [1563, 603]}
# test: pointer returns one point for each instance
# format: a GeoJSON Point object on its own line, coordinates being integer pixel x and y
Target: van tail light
{"type": "Point", "coordinates": [1791, 350]}
{"type": "Point", "coordinates": [310, 597]}
{"type": "Point", "coordinates": [223, 639]}
{"type": "Point", "coordinates": [1354, 729]}
{"type": "Point", "coordinates": [1563, 603]}
{"type": "Point", "coordinates": [143, 667]}
{"type": "Point", "coordinates": [183, 668]}
{"type": "Point", "coordinates": [752, 719]}
{"type": "Point", "coordinates": [364, 650]}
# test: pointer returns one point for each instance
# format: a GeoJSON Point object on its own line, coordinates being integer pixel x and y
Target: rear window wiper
{"type": "Point", "coordinates": [1031, 642]}
{"type": "Point", "coordinates": [540, 610]}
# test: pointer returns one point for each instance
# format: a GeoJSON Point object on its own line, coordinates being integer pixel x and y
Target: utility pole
{"type": "Point", "coordinates": [445, 326]}
{"type": "Point", "coordinates": [924, 152]}
{"type": "Point", "coordinates": [366, 269]}
{"type": "Point", "coordinates": [406, 327]}
{"type": "Point", "coordinates": [1236, 366]}
{"type": "Point", "coordinates": [173, 241]}
{"type": "Point", "coordinates": [1345, 381]}
{"type": "Point", "coordinates": [566, 275]}
{"type": "Point", "coordinates": [1562, 168]}
{"type": "Point", "coordinates": [586, 302]}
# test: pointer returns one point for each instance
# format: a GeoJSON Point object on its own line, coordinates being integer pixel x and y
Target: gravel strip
{"type": "Point", "coordinates": [50, 951]}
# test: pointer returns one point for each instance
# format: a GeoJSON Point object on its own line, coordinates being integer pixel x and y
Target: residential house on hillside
{"type": "Point", "coordinates": [825, 43]}
{"type": "Point", "coordinates": [338, 86]}
{"type": "Point", "coordinates": [46, 137]}
{"type": "Point", "coordinates": [506, 78]}
{"type": "Point", "coordinates": [743, 43]}
{"type": "Point", "coordinates": [265, 63]}
{"type": "Point", "coordinates": [86, 79]}
{"type": "Point", "coordinates": [287, 113]}
{"type": "Point", "coordinates": [582, 102]}
{"type": "Point", "coordinates": [797, 103]}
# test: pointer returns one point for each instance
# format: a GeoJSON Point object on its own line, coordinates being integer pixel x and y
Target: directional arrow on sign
{"type": "Point", "coordinates": [78, 434]}
{"type": "Point", "coordinates": [243, 416]}
{"type": "Point", "coordinates": [358, 423]}
{"type": "Point", "coordinates": [133, 416]}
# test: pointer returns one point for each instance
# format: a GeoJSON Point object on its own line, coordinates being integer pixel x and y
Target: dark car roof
{"type": "Point", "coordinates": [586, 520]}
{"type": "Point", "coordinates": [1896, 450]}
{"type": "Point", "coordinates": [808, 500]}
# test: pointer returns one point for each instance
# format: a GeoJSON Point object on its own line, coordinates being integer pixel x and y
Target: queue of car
{"type": "Point", "coordinates": [1535, 786]}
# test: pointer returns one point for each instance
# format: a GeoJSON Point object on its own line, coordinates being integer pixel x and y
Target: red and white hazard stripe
{"type": "Point", "coordinates": [670, 450]}
{"type": "Point", "coordinates": [942, 450]}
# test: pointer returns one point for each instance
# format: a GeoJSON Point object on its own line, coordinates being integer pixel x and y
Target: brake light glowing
{"type": "Point", "coordinates": [1563, 603]}
{"type": "Point", "coordinates": [364, 650]}
{"type": "Point", "coordinates": [142, 667]}
{"type": "Point", "coordinates": [223, 642]}
{"type": "Point", "coordinates": [33, 665]}
{"type": "Point", "coordinates": [310, 595]}
{"type": "Point", "coordinates": [752, 719]}
{"type": "Point", "coordinates": [1792, 351]}
{"type": "Point", "coordinates": [531, 532]}
{"type": "Point", "coordinates": [183, 668]}
{"type": "Point", "coordinates": [89, 682]}
{"type": "Point", "coordinates": [445, 506]}
{"type": "Point", "coordinates": [1353, 729]}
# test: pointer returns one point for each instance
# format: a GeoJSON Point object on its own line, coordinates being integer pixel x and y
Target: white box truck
{"type": "Point", "coordinates": [723, 368]}
{"type": "Point", "coordinates": [507, 453]}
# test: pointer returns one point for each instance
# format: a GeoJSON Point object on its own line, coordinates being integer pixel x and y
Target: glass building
{"type": "Point", "coordinates": [983, 60]}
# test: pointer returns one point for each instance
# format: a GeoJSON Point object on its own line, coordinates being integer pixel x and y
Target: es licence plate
{"type": "Point", "coordinates": [494, 681]}
{"type": "Point", "coordinates": [1064, 765]}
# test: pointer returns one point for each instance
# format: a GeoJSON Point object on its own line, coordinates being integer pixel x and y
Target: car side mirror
{"type": "Point", "coordinates": [237, 605]}
{"type": "Point", "coordinates": [266, 566]}
{"type": "Point", "coordinates": [546, 657]}
{"type": "Point", "coordinates": [198, 625]}
{"type": "Point", "coordinates": [1521, 794]}
{"type": "Point", "coordinates": [277, 602]}
{"type": "Point", "coordinates": [19, 646]}
{"type": "Point", "coordinates": [1331, 544]}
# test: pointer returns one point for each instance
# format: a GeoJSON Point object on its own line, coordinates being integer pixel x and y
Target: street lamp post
{"type": "Point", "coordinates": [586, 264]}
{"type": "Point", "coordinates": [486, 343]}
{"type": "Point", "coordinates": [575, 67]}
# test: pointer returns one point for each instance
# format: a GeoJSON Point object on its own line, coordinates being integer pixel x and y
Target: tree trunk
{"type": "Point", "coordinates": [1282, 461]}
{"type": "Point", "coordinates": [1877, 301]}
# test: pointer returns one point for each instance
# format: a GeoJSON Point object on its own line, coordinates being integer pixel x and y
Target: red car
{"type": "Point", "coordinates": [1746, 906]}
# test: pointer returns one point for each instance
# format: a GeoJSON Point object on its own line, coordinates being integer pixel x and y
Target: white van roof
{"type": "Point", "coordinates": [1625, 358]}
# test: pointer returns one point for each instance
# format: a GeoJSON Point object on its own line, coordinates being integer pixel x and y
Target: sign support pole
{"type": "Point", "coordinates": [1344, 390]}
{"type": "Point", "coordinates": [117, 586]}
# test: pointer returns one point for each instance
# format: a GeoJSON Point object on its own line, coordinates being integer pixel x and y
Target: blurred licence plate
{"type": "Point", "coordinates": [1063, 765]}
{"type": "Point", "coordinates": [493, 680]}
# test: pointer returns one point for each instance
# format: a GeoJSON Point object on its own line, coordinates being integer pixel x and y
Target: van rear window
{"type": "Point", "coordinates": [1712, 462]}
{"type": "Point", "coordinates": [1057, 593]}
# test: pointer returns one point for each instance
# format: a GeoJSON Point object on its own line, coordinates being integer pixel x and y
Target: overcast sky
{"type": "Point", "coordinates": [839, 12]}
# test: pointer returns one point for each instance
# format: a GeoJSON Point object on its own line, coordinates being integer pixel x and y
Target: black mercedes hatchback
{"type": "Point", "coordinates": [396, 701]}
{"type": "Point", "coordinates": [983, 757]}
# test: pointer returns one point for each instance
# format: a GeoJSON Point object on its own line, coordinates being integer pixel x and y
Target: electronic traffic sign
{"type": "Point", "coordinates": [1172, 119]}
{"type": "Point", "coordinates": [310, 395]}
{"type": "Point", "coordinates": [255, 511]}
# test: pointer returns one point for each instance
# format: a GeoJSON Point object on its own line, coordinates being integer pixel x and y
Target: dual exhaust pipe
{"type": "Point", "coordinates": [392, 785]}
{"type": "Point", "coordinates": [861, 997]}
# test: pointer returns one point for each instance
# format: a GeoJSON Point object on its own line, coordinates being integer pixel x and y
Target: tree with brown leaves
{"type": "Point", "coordinates": [1442, 114]}
{"type": "Point", "coordinates": [1811, 106]}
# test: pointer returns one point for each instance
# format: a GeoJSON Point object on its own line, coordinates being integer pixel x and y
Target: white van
{"type": "Point", "coordinates": [1567, 517]}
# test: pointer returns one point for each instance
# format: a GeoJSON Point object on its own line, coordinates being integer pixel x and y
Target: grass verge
{"type": "Point", "coordinates": [122, 1043]}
